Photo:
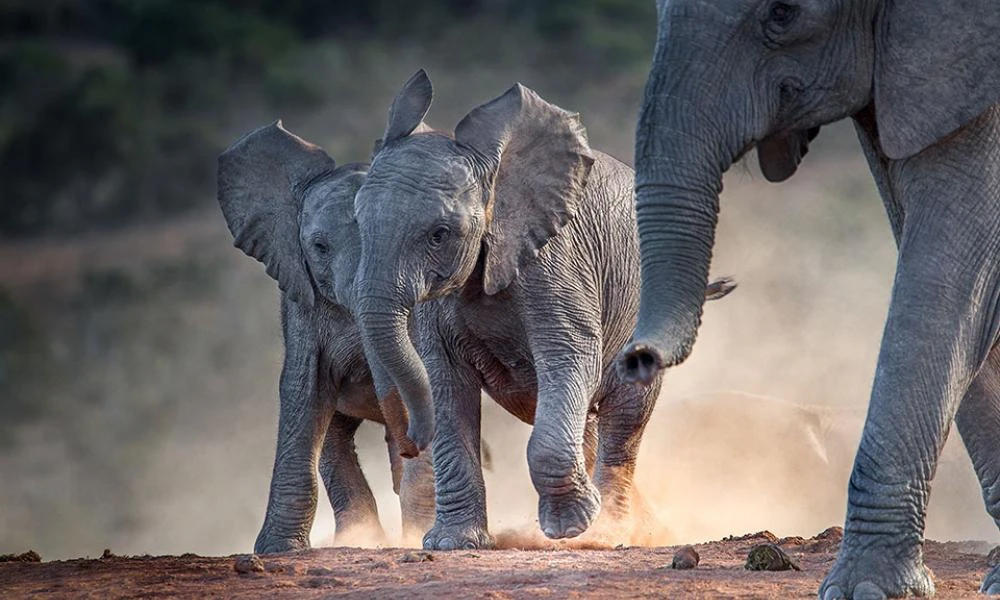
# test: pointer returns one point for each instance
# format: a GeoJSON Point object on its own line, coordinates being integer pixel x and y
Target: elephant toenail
{"type": "Point", "coordinates": [447, 544]}
{"type": "Point", "coordinates": [834, 593]}
{"type": "Point", "coordinates": [573, 532]}
{"type": "Point", "coordinates": [867, 590]}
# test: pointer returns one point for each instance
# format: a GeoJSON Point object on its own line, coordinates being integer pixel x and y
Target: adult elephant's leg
{"type": "Point", "coordinates": [978, 420]}
{"type": "Point", "coordinates": [623, 416]}
{"type": "Point", "coordinates": [302, 422]}
{"type": "Point", "coordinates": [354, 510]}
{"type": "Point", "coordinates": [941, 324]}
{"type": "Point", "coordinates": [460, 503]}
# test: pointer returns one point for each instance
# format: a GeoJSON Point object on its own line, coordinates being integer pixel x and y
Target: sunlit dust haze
{"type": "Point", "coordinates": [155, 422]}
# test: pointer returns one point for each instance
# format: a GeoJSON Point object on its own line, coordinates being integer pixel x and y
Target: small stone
{"type": "Point", "coordinates": [29, 556]}
{"type": "Point", "coordinates": [769, 557]}
{"type": "Point", "coordinates": [767, 535]}
{"type": "Point", "coordinates": [248, 563]}
{"type": "Point", "coordinates": [831, 534]}
{"type": "Point", "coordinates": [416, 557]}
{"type": "Point", "coordinates": [993, 559]}
{"type": "Point", "coordinates": [685, 558]}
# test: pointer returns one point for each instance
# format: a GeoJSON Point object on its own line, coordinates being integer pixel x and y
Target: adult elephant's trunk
{"type": "Point", "coordinates": [682, 149]}
{"type": "Point", "coordinates": [383, 318]}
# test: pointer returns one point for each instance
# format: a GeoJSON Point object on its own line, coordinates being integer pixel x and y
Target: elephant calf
{"type": "Point", "coordinates": [289, 206]}
{"type": "Point", "coordinates": [517, 246]}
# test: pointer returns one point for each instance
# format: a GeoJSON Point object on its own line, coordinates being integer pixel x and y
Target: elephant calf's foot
{"type": "Point", "coordinates": [875, 573]}
{"type": "Point", "coordinates": [277, 545]}
{"type": "Point", "coordinates": [568, 514]}
{"type": "Point", "coordinates": [458, 537]}
{"type": "Point", "coordinates": [991, 585]}
{"type": "Point", "coordinates": [360, 534]}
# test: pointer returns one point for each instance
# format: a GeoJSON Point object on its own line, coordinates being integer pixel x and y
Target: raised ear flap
{"type": "Point", "coordinates": [261, 180]}
{"type": "Point", "coordinates": [539, 160]}
{"type": "Point", "coordinates": [409, 107]}
{"type": "Point", "coordinates": [379, 143]}
{"type": "Point", "coordinates": [936, 69]}
{"type": "Point", "coordinates": [779, 155]}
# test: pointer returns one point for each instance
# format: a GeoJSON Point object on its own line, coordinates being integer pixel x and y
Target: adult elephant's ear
{"type": "Point", "coordinates": [539, 161]}
{"type": "Point", "coordinates": [937, 68]}
{"type": "Point", "coordinates": [261, 183]}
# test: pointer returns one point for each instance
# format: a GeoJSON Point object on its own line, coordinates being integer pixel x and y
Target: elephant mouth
{"type": "Point", "coordinates": [780, 154]}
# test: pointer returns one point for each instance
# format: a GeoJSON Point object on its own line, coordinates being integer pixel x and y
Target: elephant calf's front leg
{"type": "Point", "coordinates": [460, 512]}
{"type": "Point", "coordinates": [302, 423]}
{"type": "Point", "coordinates": [567, 500]}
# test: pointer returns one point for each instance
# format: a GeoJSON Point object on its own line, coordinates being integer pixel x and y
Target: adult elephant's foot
{"type": "Point", "coordinates": [876, 573]}
{"type": "Point", "coordinates": [991, 585]}
{"type": "Point", "coordinates": [458, 537]}
{"type": "Point", "coordinates": [568, 514]}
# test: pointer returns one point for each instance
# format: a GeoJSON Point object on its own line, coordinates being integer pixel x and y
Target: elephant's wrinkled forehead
{"type": "Point", "coordinates": [330, 199]}
{"type": "Point", "coordinates": [420, 165]}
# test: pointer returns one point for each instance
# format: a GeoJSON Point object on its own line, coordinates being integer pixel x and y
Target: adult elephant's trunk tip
{"type": "Point", "coordinates": [639, 363]}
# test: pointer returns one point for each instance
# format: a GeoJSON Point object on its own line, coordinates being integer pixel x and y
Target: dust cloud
{"type": "Point", "coordinates": [160, 439]}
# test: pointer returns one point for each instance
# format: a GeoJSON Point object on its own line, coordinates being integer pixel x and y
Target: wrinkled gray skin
{"type": "Point", "coordinates": [516, 244]}
{"type": "Point", "coordinates": [289, 206]}
{"type": "Point", "coordinates": [921, 79]}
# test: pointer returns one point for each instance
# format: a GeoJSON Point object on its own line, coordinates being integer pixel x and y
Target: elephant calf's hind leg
{"type": "Point", "coordinates": [354, 510]}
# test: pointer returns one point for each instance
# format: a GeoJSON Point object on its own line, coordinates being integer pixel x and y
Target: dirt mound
{"type": "Point", "coordinates": [393, 572]}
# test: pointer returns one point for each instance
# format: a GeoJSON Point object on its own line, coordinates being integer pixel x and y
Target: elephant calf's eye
{"type": "Point", "coordinates": [782, 14]}
{"type": "Point", "coordinates": [438, 236]}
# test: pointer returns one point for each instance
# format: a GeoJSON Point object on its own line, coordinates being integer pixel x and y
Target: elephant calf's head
{"type": "Point", "coordinates": [289, 206]}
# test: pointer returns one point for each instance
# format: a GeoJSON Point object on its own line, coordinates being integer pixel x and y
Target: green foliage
{"type": "Point", "coordinates": [114, 110]}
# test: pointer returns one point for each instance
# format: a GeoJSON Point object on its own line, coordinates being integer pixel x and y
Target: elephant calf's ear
{"type": "Point", "coordinates": [409, 107]}
{"type": "Point", "coordinates": [261, 178]}
{"type": "Point", "coordinates": [541, 161]}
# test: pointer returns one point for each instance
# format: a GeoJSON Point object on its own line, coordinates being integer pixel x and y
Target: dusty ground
{"type": "Point", "coordinates": [511, 573]}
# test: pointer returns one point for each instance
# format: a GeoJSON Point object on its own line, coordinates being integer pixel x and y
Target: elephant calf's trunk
{"type": "Point", "coordinates": [388, 345]}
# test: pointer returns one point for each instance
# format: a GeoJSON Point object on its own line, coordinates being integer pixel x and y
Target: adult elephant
{"type": "Point", "coordinates": [921, 79]}
{"type": "Point", "coordinates": [519, 244]}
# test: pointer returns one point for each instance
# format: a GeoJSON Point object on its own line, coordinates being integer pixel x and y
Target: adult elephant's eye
{"type": "Point", "coordinates": [782, 13]}
{"type": "Point", "coordinates": [320, 247]}
{"type": "Point", "coordinates": [439, 235]}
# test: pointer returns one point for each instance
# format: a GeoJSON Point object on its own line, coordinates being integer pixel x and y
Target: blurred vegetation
{"type": "Point", "coordinates": [112, 111]}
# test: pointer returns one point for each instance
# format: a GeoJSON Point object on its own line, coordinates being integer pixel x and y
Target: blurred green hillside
{"type": "Point", "coordinates": [112, 111]}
